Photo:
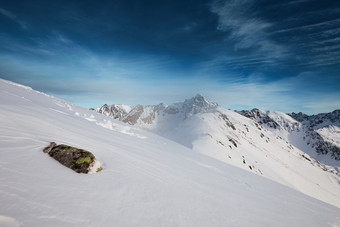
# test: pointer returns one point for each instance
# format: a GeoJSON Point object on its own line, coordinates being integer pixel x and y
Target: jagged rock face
{"type": "Point", "coordinates": [330, 133]}
{"type": "Point", "coordinates": [134, 115]}
{"type": "Point", "coordinates": [227, 121]}
{"type": "Point", "coordinates": [319, 120]}
{"type": "Point", "coordinates": [115, 111]}
{"type": "Point", "coordinates": [301, 117]}
{"type": "Point", "coordinates": [198, 104]}
{"type": "Point", "coordinates": [274, 121]}
{"type": "Point", "coordinates": [105, 109]}
{"type": "Point", "coordinates": [260, 117]}
{"type": "Point", "coordinates": [76, 159]}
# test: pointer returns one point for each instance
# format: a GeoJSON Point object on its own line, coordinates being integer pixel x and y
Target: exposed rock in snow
{"type": "Point", "coordinates": [116, 111]}
{"type": "Point", "coordinates": [319, 120]}
{"type": "Point", "coordinates": [330, 133]}
{"type": "Point", "coordinates": [300, 135]}
{"type": "Point", "coordinates": [327, 125]}
{"type": "Point", "coordinates": [79, 160]}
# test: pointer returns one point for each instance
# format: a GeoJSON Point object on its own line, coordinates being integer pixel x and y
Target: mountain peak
{"type": "Point", "coordinates": [200, 96]}
{"type": "Point", "coordinates": [200, 100]}
{"type": "Point", "coordinates": [198, 104]}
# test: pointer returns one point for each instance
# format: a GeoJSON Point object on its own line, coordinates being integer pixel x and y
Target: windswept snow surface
{"type": "Point", "coordinates": [146, 181]}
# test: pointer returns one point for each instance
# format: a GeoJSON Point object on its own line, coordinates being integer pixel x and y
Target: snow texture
{"type": "Point", "coordinates": [146, 180]}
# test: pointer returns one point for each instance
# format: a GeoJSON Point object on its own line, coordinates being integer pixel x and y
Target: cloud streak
{"type": "Point", "coordinates": [13, 17]}
{"type": "Point", "coordinates": [304, 39]}
{"type": "Point", "coordinates": [246, 30]}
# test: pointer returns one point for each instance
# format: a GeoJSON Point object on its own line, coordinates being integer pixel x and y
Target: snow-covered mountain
{"type": "Point", "coordinates": [300, 135]}
{"type": "Point", "coordinates": [248, 143]}
{"type": "Point", "coordinates": [331, 134]}
{"type": "Point", "coordinates": [147, 180]}
{"type": "Point", "coordinates": [326, 125]}
{"type": "Point", "coordinates": [319, 120]}
{"type": "Point", "coordinates": [116, 111]}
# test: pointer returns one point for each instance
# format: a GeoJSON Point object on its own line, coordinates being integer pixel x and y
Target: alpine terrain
{"type": "Point", "coordinates": [326, 124]}
{"type": "Point", "coordinates": [268, 143]}
{"type": "Point", "coordinates": [188, 176]}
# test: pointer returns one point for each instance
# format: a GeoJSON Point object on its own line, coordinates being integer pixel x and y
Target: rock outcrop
{"type": "Point", "coordinates": [76, 159]}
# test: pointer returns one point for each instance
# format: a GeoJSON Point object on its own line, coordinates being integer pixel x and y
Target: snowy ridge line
{"type": "Point", "coordinates": [270, 144]}
{"type": "Point", "coordinates": [15, 84]}
{"type": "Point", "coordinates": [25, 87]}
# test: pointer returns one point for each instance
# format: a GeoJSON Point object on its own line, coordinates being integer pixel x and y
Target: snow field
{"type": "Point", "coordinates": [146, 180]}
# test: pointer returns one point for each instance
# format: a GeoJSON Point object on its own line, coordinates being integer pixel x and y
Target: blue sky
{"type": "Point", "coordinates": [273, 55]}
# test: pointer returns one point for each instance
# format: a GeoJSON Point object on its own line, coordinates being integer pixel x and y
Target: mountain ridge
{"type": "Point", "coordinates": [248, 142]}
{"type": "Point", "coordinates": [277, 121]}
{"type": "Point", "coordinates": [143, 115]}
{"type": "Point", "coordinates": [317, 121]}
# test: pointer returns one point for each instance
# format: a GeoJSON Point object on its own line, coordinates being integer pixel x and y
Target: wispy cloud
{"type": "Point", "coordinates": [13, 17]}
{"type": "Point", "coordinates": [247, 30]}
{"type": "Point", "coordinates": [297, 93]}
{"type": "Point", "coordinates": [239, 60]}
{"type": "Point", "coordinates": [307, 39]}
{"type": "Point", "coordinates": [319, 25]}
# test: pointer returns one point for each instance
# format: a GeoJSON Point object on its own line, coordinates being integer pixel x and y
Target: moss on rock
{"type": "Point", "coordinates": [74, 158]}
{"type": "Point", "coordinates": [82, 160]}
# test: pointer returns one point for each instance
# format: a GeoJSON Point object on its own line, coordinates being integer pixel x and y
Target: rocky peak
{"type": "Point", "coordinates": [147, 114]}
{"type": "Point", "coordinates": [261, 117]}
{"type": "Point", "coordinates": [198, 104]}
{"type": "Point", "coordinates": [299, 116]}
{"type": "Point", "coordinates": [116, 111]}
{"type": "Point", "coordinates": [253, 114]}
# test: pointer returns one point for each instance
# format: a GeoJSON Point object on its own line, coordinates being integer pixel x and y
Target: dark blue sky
{"type": "Point", "coordinates": [277, 55]}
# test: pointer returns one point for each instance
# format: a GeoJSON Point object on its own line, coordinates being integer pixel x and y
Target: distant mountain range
{"type": "Point", "coordinates": [319, 120]}
{"type": "Point", "coordinates": [299, 132]}
{"type": "Point", "coordinates": [326, 125]}
{"type": "Point", "coordinates": [282, 147]}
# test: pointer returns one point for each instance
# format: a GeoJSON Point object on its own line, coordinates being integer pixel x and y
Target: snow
{"type": "Point", "coordinates": [331, 133]}
{"type": "Point", "coordinates": [278, 154]}
{"type": "Point", "coordinates": [94, 169]}
{"type": "Point", "coordinates": [146, 180]}
{"type": "Point", "coordinates": [304, 138]}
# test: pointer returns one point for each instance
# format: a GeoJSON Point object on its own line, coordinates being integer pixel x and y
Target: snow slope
{"type": "Point", "coordinates": [331, 134]}
{"type": "Point", "coordinates": [326, 125]}
{"type": "Point", "coordinates": [323, 148]}
{"type": "Point", "coordinates": [229, 137]}
{"type": "Point", "coordinates": [147, 180]}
